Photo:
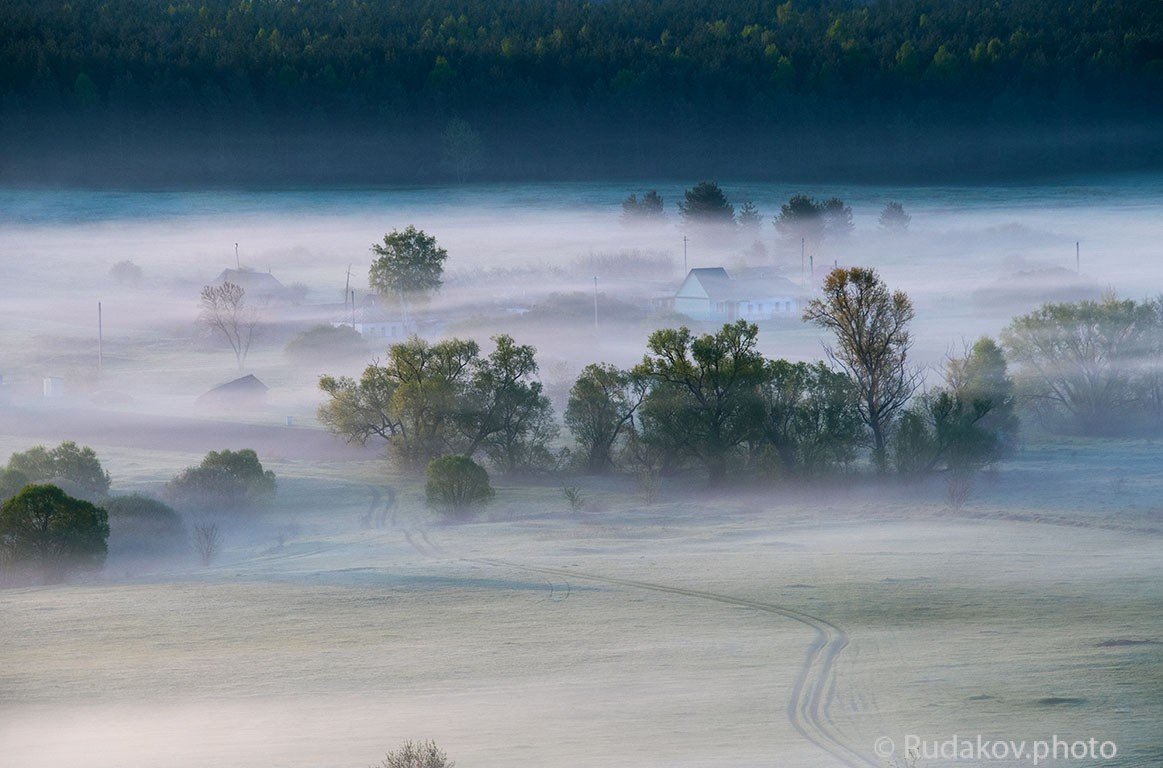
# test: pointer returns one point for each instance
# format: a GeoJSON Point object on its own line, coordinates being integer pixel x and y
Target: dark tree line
{"type": "Point", "coordinates": [473, 74]}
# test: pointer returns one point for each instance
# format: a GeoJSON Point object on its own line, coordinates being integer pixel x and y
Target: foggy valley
{"type": "Point", "coordinates": [636, 385]}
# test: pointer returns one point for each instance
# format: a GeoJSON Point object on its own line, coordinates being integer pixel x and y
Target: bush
{"type": "Point", "coordinates": [78, 467]}
{"type": "Point", "coordinates": [141, 525]}
{"type": "Point", "coordinates": [224, 480]}
{"type": "Point", "coordinates": [44, 529]}
{"type": "Point", "coordinates": [457, 486]}
{"type": "Point", "coordinates": [412, 754]}
{"type": "Point", "coordinates": [326, 343]}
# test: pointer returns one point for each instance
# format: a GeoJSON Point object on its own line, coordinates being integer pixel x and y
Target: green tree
{"type": "Point", "coordinates": [601, 408]}
{"type": "Point", "coordinates": [648, 210]}
{"type": "Point", "coordinates": [837, 218]}
{"type": "Point", "coordinates": [415, 401]}
{"type": "Point", "coordinates": [800, 217]}
{"type": "Point", "coordinates": [809, 417]}
{"type": "Point", "coordinates": [11, 481]}
{"type": "Point", "coordinates": [78, 467]}
{"type": "Point", "coordinates": [872, 344]}
{"type": "Point", "coordinates": [224, 479]}
{"type": "Point", "coordinates": [507, 415]}
{"type": "Point", "coordinates": [326, 343]}
{"type": "Point", "coordinates": [705, 203]}
{"type": "Point", "coordinates": [1085, 359]}
{"type": "Point", "coordinates": [457, 486]}
{"type": "Point", "coordinates": [142, 525]}
{"type": "Point", "coordinates": [408, 263]}
{"type": "Point", "coordinates": [43, 528]}
{"type": "Point", "coordinates": [703, 399]}
{"type": "Point", "coordinates": [749, 217]}
{"type": "Point", "coordinates": [894, 219]}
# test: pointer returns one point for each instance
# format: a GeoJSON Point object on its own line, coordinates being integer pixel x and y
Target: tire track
{"type": "Point", "coordinates": [814, 688]}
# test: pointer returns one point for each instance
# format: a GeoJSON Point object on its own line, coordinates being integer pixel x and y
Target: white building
{"type": "Point", "coordinates": [710, 294]}
{"type": "Point", "coordinates": [372, 323]}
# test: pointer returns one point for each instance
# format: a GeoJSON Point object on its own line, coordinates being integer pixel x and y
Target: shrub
{"type": "Point", "coordinates": [139, 524]}
{"type": "Point", "coordinates": [224, 480]}
{"type": "Point", "coordinates": [80, 467]}
{"type": "Point", "coordinates": [326, 343]}
{"type": "Point", "coordinates": [457, 486]}
{"type": "Point", "coordinates": [207, 542]}
{"type": "Point", "coordinates": [52, 533]}
{"type": "Point", "coordinates": [412, 754]}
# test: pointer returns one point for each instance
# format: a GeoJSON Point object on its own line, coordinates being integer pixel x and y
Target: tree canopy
{"type": "Point", "coordinates": [407, 262]}
{"type": "Point", "coordinates": [77, 466]}
{"type": "Point", "coordinates": [45, 529]}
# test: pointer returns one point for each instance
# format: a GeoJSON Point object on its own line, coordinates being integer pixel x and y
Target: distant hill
{"type": "Point", "coordinates": [234, 89]}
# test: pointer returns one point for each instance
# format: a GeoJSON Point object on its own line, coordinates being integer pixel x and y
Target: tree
{"type": "Point", "coordinates": [837, 218]}
{"type": "Point", "coordinates": [601, 408]}
{"type": "Point", "coordinates": [800, 217]}
{"type": "Point", "coordinates": [126, 273]}
{"type": "Point", "coordinates": [1086, 359]}
{"type": "Point", "coordinates": [749, 218]}
{"type": "Point", "coordinates": [53, 533]}
{"type": "Point", "coordinates": [457, 486]}
{"type": "Point", "coordinates": [412, 754]}
{"type": "Point", "coordinates": [872, 344]}
{"type": "Point", "coordinates": [327, 343]}
{"type": "Point", "coordinates": [141, 525]}
{"type": "Point", "coordinates": [78, 467]}
{"type": "Point", "coordinates": [809, 417]}
{"type": "Point", "coordinates": [705, 203]}
{"type": "Point", "coordinates": [648, 210]}
{"type": "Point", "coordinates": [703, 399]}
{"type": "Point", "coordinates": [894, 219]}
{"type": "Point", "coordinates": [11, 482]}
{"type": "Point", "coordinates": [414, 402]}
{"type": "Point", "coordinates": [227, 314]}
{"type": "Point", "coordinates": [408, 263]}
{"type": "Point", "coordinates": [207, 542]}
{"type": "Point", "coordinates": [507, 415]}
{"type": "Point", "coordinates": [230, 479]}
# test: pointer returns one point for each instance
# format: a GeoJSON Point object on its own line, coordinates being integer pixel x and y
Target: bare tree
{"type": "Point", "coordinates": [423, 754]}
{"type": "Point", "coordinates": [226, 312]}
{"type": "Point", "coordinates": [871, 327]}
{"type": "Point", "coordinates": [207, 541]}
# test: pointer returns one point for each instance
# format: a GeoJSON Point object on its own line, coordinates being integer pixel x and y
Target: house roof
{"type": "Point", "coordinates": [759, 284]}
{"type": "Point", "coordinates": [247, 385]}
{"type": "Point", "coordinates": [255, 282]}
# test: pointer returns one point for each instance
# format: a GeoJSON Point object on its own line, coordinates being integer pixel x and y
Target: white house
{"type": "Point", "coordinates": [710, 294]}
{"type": "Point", "coordinates": [373, 323]}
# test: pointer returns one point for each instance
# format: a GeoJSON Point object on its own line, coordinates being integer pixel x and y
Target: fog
{"type": "Point", "coordinates": [786, 626]}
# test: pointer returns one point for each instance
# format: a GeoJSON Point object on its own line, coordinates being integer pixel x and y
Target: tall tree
{"type": "Point", "coordinates": [1086, 359]}
{"type": "Point", "coordinates": [749, 218]}
{"type": "Point", "coordinates": [837, 218]}
{"type": "Point", "coordinates": [408, 263]}
{"type": "Point", "coordinates": [894, 218]}
{"type": "Point", "coordinates": [507, 415]}
{"type": "Point", "coordinates": [413, 401]}
{"type": "Point", "coordinates": [703, 401]}
{"type": "Point", "coordinates": [74, 465]}
{"type": "Point", "coordinates": [601, 408]}
{"type": "Point", "coordinates": [800, 217]}
{"type": "Point", "coordinates": [705, 203]}
{"type": "Point", "coordinates": [648, 210]}
{"type": "Point", "coordinates": [228, 314]}
{"type": "Point", "coordinates": [809, 417]}
{"type": "Point", "coordinates": [872, 344]}
{"type": "Point", "coordinates": [52, 532]}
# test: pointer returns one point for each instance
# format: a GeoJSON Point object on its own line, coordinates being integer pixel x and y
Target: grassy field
{"type": "Point", "coordinates": [776, 627]}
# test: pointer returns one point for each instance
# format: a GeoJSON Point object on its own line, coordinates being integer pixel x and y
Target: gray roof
{"type": "Point", "coordinates": [753, 284]}
{"type": "Point", "coordinates": [254, 282]}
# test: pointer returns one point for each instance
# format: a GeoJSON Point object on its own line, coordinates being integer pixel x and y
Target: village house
{"type": "Point", "coordinates": [712, 295]}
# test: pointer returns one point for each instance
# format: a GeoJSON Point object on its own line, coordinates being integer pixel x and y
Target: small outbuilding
{"type": "Point", "coordinates": [260, 285]}
{"type": "Point", "coordinates": [244, 392]}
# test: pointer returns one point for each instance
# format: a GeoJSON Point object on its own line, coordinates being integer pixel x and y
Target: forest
{"type": "Point", "coordinates": [628, 86]}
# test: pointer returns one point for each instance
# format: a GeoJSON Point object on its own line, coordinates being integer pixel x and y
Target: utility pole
{"type": "Point", "coordinates": [1077, 257]}
{"type": "Point", "coordinates": [353, 310]}
{"type": "Point", "coordinates": [812, 262]}
{"type": "Point", "coordinates": [237, 263]}
{"type": "Point", "coordinates": [100, 341]}
{"type": "Point", "coordinates": [596, 302]}
{"type": "Point", "coordinates": [347, 284]}
{"type": "Point", "coordinates": [685, 269]}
